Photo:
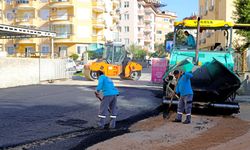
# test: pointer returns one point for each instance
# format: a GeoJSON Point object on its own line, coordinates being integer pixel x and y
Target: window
{"type": "Point", "coordinates": [45, 49]}
{"type": "Point", "coordinates": [119, 29]}
{"type": "Point", "coordinates": [126, 16]}
{"type": "Point", "coordinates": [126, 28]}
{"type": "Point", "coordinates": [201, 9]}
{"type": "Point", "coordinates": [81, 49]}
{"type": "Point", "coordinates": [166, 19]}
{"type": "Point", "coordinates": [8, 2]}
{"type": "Point", "coordinates": [159, 32]}
{"type": "Point", "coordinates": [44, 14]}
{"type": "Point", "coordinates": [62, 31]}
{"type": "Point", "coordinates": [22, 1]}
{"type": "Point", "coordinates": [11, 50]}
{"type": "Point", "coordinates": [126, 41]}
{"type": "Point", "coordinates": [10, 16]}
{"type": "Point", "coordinates": [206, 7]}
{"type": "Point", "coordinates": [211, 8]}
{"type": "Point", "coordinates": [126, 4]}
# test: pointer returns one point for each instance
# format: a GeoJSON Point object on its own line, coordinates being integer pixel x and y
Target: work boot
{"type": "Point", "coordinates": [177, 120]}
{"type": "Point", "coordinates": [188, 120]}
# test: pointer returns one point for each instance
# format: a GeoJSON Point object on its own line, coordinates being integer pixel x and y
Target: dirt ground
{"type": "Point", "coordinates": [205, 132]}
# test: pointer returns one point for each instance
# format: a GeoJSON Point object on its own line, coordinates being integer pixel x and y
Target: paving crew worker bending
{"type": "Point", "coordinates": [184, 88]}
{"type": "Point", "coordinates": [108, 103]}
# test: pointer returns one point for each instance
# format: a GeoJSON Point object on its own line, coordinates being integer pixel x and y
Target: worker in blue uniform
{"type": "Point", "coordinates": [184, 89]}
{"type": "Point", "coordinates": [108, 102]}
{"type": "Point", "coordinates": [190, 41]}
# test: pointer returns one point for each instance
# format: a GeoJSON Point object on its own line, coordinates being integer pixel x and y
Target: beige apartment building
{"type": "Point", "coordinates": [142, 23]}
{"type": "Point", "coordinates": [80, 25]}
{"type": "Point", "coordinates": [216, 10]}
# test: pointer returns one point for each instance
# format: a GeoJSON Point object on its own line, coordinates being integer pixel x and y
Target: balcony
{"type": "Point", "coordinates": [61, 3]}
{"type": "Point", "coordinates": [98, 38]}
{"type": "Point", "coordinates": [24, 4]}
{"type": "Point", "coordinates": [98, 23]}
{"type": "Point", "coordinates": [147, 40]}
{"type": "Point", "coordinates": [140, 12]}
{"type": "Point", "coordinates": [140, 24]}
{"type": "Point", "coordinates": [140, 36]}
{"type": "Point", "coordinates": [98, 6]}
{"type": "Point", "coordinates": [24, 21]}
{"type": "Point", "coordinates": [116, 2]}
{"type": "Point", "coordinates": [147, 19]}
{"type": "Point", "coordinates": [116, 17]}
{"type": "Point", "coordinates": [147, 29]}
{"type": "Point", "coordinates": [63, 19]}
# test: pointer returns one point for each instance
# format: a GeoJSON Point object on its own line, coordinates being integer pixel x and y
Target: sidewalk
{"type": "Point", "coordinates": [143, 82]}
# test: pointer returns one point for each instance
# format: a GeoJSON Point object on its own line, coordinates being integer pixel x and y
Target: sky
{"type": "Point", "coordinates": [183, 8]}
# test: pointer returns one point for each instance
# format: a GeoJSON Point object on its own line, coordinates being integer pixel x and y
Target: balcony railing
{"type": "Point", "coordinates": [21, 4]}
{"type": "Point", "coordinates": [147, 18]}
{"type": "Point", "coordinates": [61, 17]}
{"type": "Point", "coordinates": [24, 20]}
{"type": "Point", "coordinates": [98, 6]}
{"type": "Point", "coordinates": [140, 35]}
{"type": "Point", "coordinates": [64, 35]}
{"type": "Point", "coordinates": [98, 23]}
{"type": "Point", "coordinates": [140, 23]}
{"type": "Point", "coordinates": [96, 38]}
{"type": "Point", "coordinates": [61, 3]}
{"type": "Point", "coordinates": [140, 12]}
{"type": "Point", "coordinates": [147, 39]}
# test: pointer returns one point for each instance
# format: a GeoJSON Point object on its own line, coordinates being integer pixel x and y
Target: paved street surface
{"type": "Point", "coordinates": [54, 116]}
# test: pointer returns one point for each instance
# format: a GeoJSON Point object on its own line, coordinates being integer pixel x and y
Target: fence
{"type": "Point", "coordinates": [26, 71]}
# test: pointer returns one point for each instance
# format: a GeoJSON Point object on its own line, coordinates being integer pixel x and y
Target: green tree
{"type": "Point", "coordinates": [74, 57]}
{"type": "Point", "coordinates": [159, 50]}
{"type": "Point", "coordinates": [180, 36]}
{"type": "Point", "coordinates": [94, 54]}
{"type": "Point", "coordinates": [137, 51]}
{"type": "Point", "coordinates": [242, 15]}
{"type": "Point", "coordinates": [169, 36]}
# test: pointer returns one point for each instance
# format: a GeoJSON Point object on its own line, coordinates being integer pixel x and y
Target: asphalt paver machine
{"type": "Point", "coordinates": [214, 81]}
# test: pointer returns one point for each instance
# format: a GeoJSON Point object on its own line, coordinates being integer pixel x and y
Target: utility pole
{"type": "Point", "coordinates": [197, 41]}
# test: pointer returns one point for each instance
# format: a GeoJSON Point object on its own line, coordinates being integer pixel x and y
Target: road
{"type": "Point", "coordinates": [61, 116]}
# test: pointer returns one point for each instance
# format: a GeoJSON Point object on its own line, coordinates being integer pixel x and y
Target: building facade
{"type": "Point", "coordinates": [215, 10]}
{"type": "Point", "coordinates": [141, 23]}
{"type": "Point", "coordinates": [80, 25]}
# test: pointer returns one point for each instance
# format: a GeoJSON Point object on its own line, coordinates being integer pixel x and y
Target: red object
{"type": "Point", "coordinates": [159, 66]}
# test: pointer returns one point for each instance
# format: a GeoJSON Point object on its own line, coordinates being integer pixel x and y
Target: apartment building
{"type": "Point", "coordinates": [139, 22]}
{"type": "Point", "coordinates": [80, 25]}
{"type": "Point", "coordinates": [217, 10]}
{"type": "Point", "coordinates": [164, 23]}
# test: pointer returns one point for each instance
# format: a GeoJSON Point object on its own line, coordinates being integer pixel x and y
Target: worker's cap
{"type": "Point", "coordinates": [99, 72]}
{"type": "Point", "coordinates": [176, 72]}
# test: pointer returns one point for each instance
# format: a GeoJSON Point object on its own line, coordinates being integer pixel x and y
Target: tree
{"type": "Point", "coordinates": [137, 51]}
{"type": "Point", "coordinates": [159, 50]}
{"type": "Point", "coordinates": [242, 15]}
{"type": "Point", "coordinates": [74, 57]}
{"type": "Point", "coordinates": [180, 36]}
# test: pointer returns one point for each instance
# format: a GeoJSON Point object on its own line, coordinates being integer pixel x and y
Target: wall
{"type": "Point", "coordinates": [26, 71]}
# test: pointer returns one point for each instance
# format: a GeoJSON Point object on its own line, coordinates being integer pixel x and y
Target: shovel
{"type": "Point", "coordinates": [168, 112]}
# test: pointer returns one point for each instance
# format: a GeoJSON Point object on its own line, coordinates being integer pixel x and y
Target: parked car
{"type": "Point", "coordinates": [71, 65]}
{"type": "Point", "coordinates": [79, 66]}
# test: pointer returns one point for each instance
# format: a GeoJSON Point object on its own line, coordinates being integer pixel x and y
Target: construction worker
{"type": "Point", "coordinates": [184, 89]}
{"type": "Point", "coordinates": [108, 102]}
{"type": "Point", "coordinates": [190, 41]}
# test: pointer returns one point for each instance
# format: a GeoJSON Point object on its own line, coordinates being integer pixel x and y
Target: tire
{"type": "Point", "coordinates": [90, 75]}
{"type": "Point", "coordinates": [135, 75]}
